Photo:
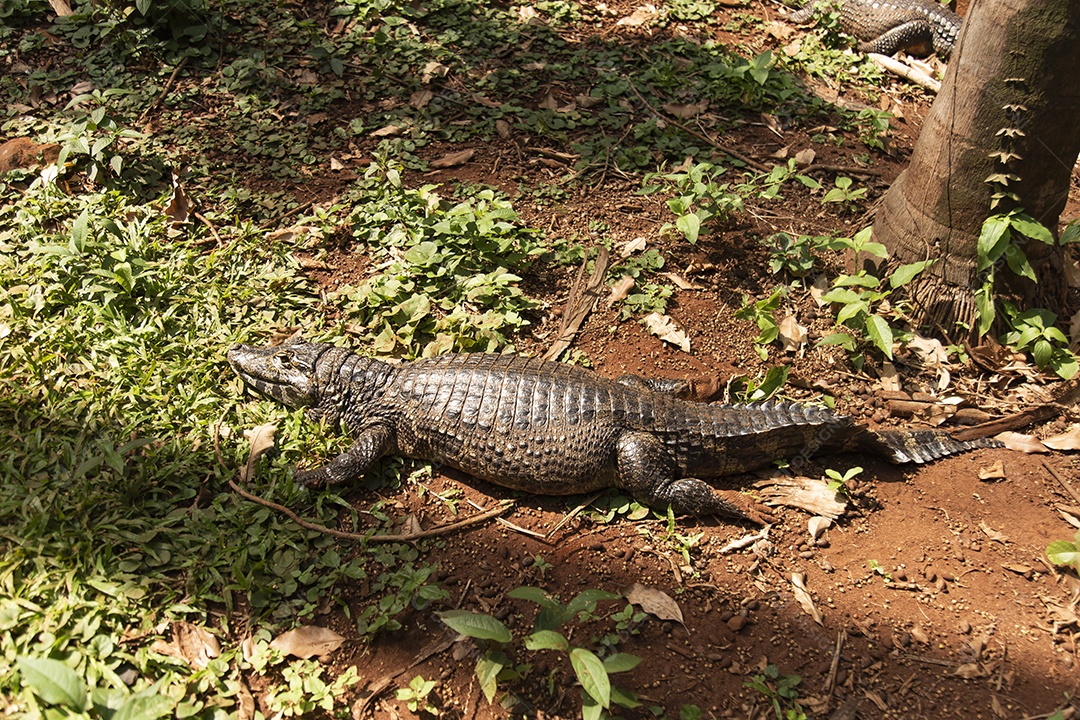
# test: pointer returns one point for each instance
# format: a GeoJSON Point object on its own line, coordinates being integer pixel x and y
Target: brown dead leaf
{"type": "Point", "coordinates": [780, 31]}
{"type": "Point", "coordinates": [890, 379]}
{"type": "Point", "coordinates": [620, 290]}
{"type": "Point", "coordinates": [667, 330]}
{"type": "Point", "coordinates": [486, 101]}
{"type": "Point", "coordinates": [433, 69]}
{"type": "Point", "coordinates": [387, 131]}
{"type": "Point", "coordinates": [641, 16]}
{"type": "Point", "coordinates": [307, 641]}
{"type": "Point", "coordinates": [876, 699]}
{"type": "Point", "coordinates": [411, 526]}
{"type": "Point", "coordinates": [262, 439]}
{"type": "Point", "coordinates": [179, 207]}
{"type": "Point", "coordinates": [1072, 276]}
{"type": "Point", "coordinates": [919, 635]}
{"type": "Point", "coordinates": [969, 671]}
{"type": "Point", "coordinates": [680, 282]}
{"type": "Point", "coordinates": [992, 533]}
{"type": "Point", "coordinates": [819, 287]}
{"type": "Point", "coordinates": [1068, 440]}
{"type": "Point", "coordinates": [245, 703]}
{"type": "Point", "coordinates": [1024, 443]}
{"type": "Point", "coordinates": [685, 112]}
{"type": "Point", "coordinates": [929, 350]}
{"type": "Point", "coordinates": [1017, 568]}
{"type": "Point", "coordinates": [549, 103]}
{"type": "Point", "coordinates": [993, 472]}
{"type": "Point", "coordinates": [421, 99]}
{"type": "Point", "coordinates": [336, 165]}
{"type": "Point", "coordinates": [503, 128]}
{"type": "Point", "coordinates": [633, 246]}
{"type": "Point", "coordinates": [802, 596]}
{"type": "Point", "coordinates": [655, 602]}
{"type": "Point", "coordinates": [193, 644]}
{"type": "Point", "coordinates": [804, 158]}
{"type": "Point", "coordinates": [818, 525]}
{"type": "Point", "coordinates": [454, 159]}
{"type": "Point", "coordinates": [792, 334]}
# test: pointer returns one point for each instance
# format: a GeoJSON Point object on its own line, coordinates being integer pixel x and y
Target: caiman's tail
{"type": "Point", "coordinates": [920, 446]}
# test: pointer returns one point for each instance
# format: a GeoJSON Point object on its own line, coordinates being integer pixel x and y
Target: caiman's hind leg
{"type": "Point", "coordinates": [648, 472]}
{"type": "Point", "coordinates": [370, 445]}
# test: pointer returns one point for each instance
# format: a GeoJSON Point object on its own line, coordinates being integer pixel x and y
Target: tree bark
{"type": "Point", "coordinates": [1009, 108]}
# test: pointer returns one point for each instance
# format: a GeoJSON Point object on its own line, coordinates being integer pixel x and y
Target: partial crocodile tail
{"type": "Point", "coordinates": [921, 446]}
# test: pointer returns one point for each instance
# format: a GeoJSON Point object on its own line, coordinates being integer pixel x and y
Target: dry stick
{"type": "Point", "coordinates": [431, 532]}
{"type": "Point", "coordinates": [830, 682]}
{"type": "Point", "coordinates": [906, 71]}
{"type": "Point", "coordinates": [842, 169]}
{"type": "Point", "coordinates": [582, 299]}
{"type": "Point", "coordinates": [1032, 415]}
{"type": "Point", "coordinates": [704, 138]}
{"type": "Point", "coordinates": [1064, 483]}
{"type": "Point", "coordinates": [164, 91]}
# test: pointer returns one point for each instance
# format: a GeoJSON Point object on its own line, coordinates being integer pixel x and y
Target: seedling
{"type": "Point", "coordinates": [781, 690]}
{"type": "Point", "coordinates": [415, 696]}
{"type": "Point", "coordinates": [1066, 553]}
{"type": "Point", "coordinates": [838, 482]}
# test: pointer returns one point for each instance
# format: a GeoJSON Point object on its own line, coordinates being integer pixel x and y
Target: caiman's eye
{"type": "Point", "coordinates": [285, 359]}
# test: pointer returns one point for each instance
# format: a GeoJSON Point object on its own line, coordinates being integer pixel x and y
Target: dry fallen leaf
{"type": "Point", "coordinates": [969, 671]}
{"type": "Point", "coordinates": [421, 99]}
{"type": "Point", "coordinates": [1068, 440]}
{"type": "Point", "coordinates": [433, 69]}
{"type": "Point", "coordinates": [685, 112]}
{"type": "Point", "coordinates": [307, 641]}
{"type": "Point", "coordinates": [792, 334]}
{"type": "Point", "coordinates": [1024, 443]}
{"type": "Point", "coordinates": [387, 131]}
{"type": "Point", "coordinates": [193, 644]}
{"type": "Point", "coordinates": [620, 290]}
{"type": "Point", "coordinates": [992, 533]}
{"type": "Point", "coordinates": [245, 703]}
{"type": "Point", "coordinates": [655, 602]}
{"type": "Point", "coordinates": [890, 379]}
{"type": "Point", "coordinates": [802, 596]}
{"type": "Point", "coordinates": [929, 350]}
{"type": "Point", "coordinates": [667, 330]}
{"type": "Point", "coordinates": [455, 158]}
{"type": "Point", "coordinates": [633, 246]}
{"type": "Point", "coordinates": [819, 287]}
{"type": "Point", "coordinates": [804, 158]}
{"type": "Point", "coordinates": [993, 472]}
{"type": "Point", "coordinates": [817, 525]}
{"type": "Point", "coordinates": [179, 207]}
{"type": "Point", "coordinates": [262, 439]}
{"type": "Point", "coordinates": [680, 282]}
{"type": "Point", "coordinates": [641, 16]}
{"type": "Point", "coordinates": [1017, 568]}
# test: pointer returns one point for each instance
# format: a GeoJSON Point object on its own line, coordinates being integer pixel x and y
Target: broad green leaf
{"type": "Point", "coordinates": [984, 307]}
{"type": "Point", "coordinates": [487, 672]}
{"type": "Point", "coordinates": [1053, 334]}
{"type": "Point", "coordinates": [53, 681]}
{"type": "Point", "coordinates": [1066, 369]}
{"type": "Point", "coordinates": [590, 709]}
{"type": "Point", "coordinates": [841, 295]}
{"type": "Point", "coordinates": [1018, 262]}
{"type": "Point", "coordinates": [592, 675]}
{"type": "Point", "coordinates": [1071, 233]}
{"type": "Point", "coordinates": [145, 707]}
{"type": "Point", "coordinates": [80, 231]}
{"type": "Point", "coordinates": [587, 599]}
{"type": "Point", "coordinates": [842, 339]}
{"type": "Point", "coordinates": [993, 237]}
{"type": "Point", "coordinates": [880, 334]}
{"type": "Point", "coordinates": [906, 273]}
{"type": "Point", "coordinates": [546, 640]}
{"type": "Point", "coordinates": [689, 225]}
{"type": "Point", "coordinates": [476, 625]}
{"type": "Point", "coordinates": [624, 699]}
{"type": "Point", "coordinates": [834, 195]}
{"type": "Point", "coordinates": [868, 281]}
{"type": "Point", "coordinates": [621, 662]}
{"type": "Point", "coordinates": [852, 310]}
{"type": "Point", "coordinates": [532, 594]}
{"type": "Point", "coordinates": [1063, 552]}
{"type": "Point", "coordinates": [1029, 226]}
{"type": "Point", "coordinates": [875, 249]}
{"type": "Point", "coordinates": [1041, 352]}
{"type": "Point", "coordinates": [775, 377]}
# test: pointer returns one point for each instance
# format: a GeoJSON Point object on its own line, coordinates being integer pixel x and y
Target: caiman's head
{"type": "Point", "coordinates": [286, 373]}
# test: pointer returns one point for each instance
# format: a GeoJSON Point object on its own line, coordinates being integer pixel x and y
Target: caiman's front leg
{"type": "Point", "coordinates": [649, 473]}
{"type": "Point", "coordinates": [370, 445]}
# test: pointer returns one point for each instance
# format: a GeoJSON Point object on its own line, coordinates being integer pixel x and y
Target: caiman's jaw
{"type": "Point", "coordinates": [285, 373]}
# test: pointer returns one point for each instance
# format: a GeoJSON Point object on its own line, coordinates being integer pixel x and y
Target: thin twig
{"type": "Point", "coordinates": [1064, 483]}
{"type": "Point", "coordinates": [704, 138]}
{"type": "Point", "coordinates": [379, 686]}
{"type": "Point", "coordinates": [209, 226]}
{"type": "Point", "coordinates": [164, 91]}
{"type": "Point", "coordinates": [436, 531]}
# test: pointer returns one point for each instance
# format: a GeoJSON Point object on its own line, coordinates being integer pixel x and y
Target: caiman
{"type": "Point", "coordinates": [555, 429]}
{"type": "Point", "coordinates": [887, 26]}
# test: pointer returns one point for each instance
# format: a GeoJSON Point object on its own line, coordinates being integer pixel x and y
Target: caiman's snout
{"type": "Point", "coordinates": [285, 373]}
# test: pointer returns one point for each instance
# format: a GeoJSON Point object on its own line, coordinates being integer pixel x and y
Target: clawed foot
{"type": "Point", "coordinates": [738, 505]}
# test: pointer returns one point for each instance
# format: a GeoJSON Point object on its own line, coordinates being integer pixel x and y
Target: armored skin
{"type": "Point", "coordinates": [887, 26]}
{"type": "Point", "coordinates": [555, 429]}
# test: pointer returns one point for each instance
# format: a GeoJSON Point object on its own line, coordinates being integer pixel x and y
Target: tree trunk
{"type": "Point", "coordinates": [1009, 108]}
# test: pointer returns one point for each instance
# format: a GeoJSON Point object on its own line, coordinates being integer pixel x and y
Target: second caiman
{"type": "Point", "coordinates": [556, 429]}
